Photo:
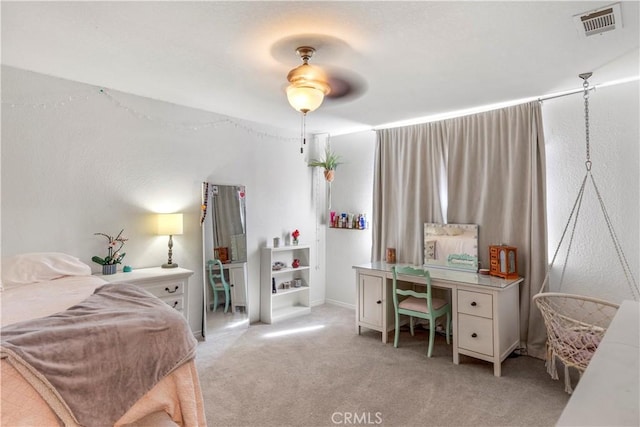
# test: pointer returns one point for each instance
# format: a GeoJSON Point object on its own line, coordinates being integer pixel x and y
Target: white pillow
{"type": "Point", "coordinates": [435, 231]}
{"type": "Point", "coordinates": [39, 267]}
{"type": "Point", "coordinates": [454, 231]}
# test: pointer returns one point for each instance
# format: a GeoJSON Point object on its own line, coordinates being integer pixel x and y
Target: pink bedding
{"type": "Point", "coordinates": [178, 395]}
{"type": "Point", "coordinates": [23, 404]}
{"type": "Point", "coordinates": [42, 299]}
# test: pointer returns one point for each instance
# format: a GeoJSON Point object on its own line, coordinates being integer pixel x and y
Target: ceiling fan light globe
{"type": "Point", "coordinates": [304, 98]}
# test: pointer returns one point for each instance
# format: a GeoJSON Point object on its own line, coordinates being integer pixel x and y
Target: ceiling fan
{"type": "Point", "coordinates": [309, 84]}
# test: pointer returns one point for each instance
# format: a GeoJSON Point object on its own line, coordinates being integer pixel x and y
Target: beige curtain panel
{"type": "Point", "coordinates": [486, 169]}
{"type": "Point", "coordinates": [409, 179]}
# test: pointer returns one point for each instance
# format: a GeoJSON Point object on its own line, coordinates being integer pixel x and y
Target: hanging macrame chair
{"type": "Point", "coordinates": [576, 324]}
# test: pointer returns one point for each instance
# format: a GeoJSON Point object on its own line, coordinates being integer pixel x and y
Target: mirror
{"type": "Point", "coordinates": [451, 246]}
{"type": "Point", "coordinates": [223, 221]}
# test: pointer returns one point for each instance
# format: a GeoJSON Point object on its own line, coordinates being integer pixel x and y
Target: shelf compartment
{"type": "Point", "coordinates": [282, 292]}
{"type": "Point", "coordinates": [289, 270]}
{"type": "Point", "coordinates": [289, 248]}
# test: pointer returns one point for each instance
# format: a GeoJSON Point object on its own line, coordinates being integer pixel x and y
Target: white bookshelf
{"type": "Point", "coordinates": [285, 302]}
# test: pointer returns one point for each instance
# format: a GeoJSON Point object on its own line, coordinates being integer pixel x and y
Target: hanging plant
{"type": "Point", "coordinates": [330, 162]}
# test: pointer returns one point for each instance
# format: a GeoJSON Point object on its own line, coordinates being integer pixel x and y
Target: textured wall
{"type": "Point", "coordinates": [75, 163]}
{"type": "Point", "coordinates": [352, 191]}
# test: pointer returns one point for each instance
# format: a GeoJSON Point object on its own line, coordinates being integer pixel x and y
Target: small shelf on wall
{"type": "Point", "coordinates": [348, 221]}
{"type": "Point", "coordinates": [354, 229]}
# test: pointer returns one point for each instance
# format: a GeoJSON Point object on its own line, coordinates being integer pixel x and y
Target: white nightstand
{"type": "Point", "coordinates": [169, 284]}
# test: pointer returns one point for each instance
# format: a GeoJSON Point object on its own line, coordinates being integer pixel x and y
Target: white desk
{"type": "Point", "coordinates": [485, 309]}
{"type": "Point", "coordinates": [607, 394]}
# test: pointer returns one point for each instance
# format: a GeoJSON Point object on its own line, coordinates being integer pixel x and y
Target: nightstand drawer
{"type": "Point", "coordinates": [171, 285]}
{"type": "Point", "coordinates": [475, 304]}
{"type": "Point", "coordinates": [475, 334]}
{"type": "Point", "coordinates": [167, 288]}
{"type": "Point", "coordinates": [175, 302]}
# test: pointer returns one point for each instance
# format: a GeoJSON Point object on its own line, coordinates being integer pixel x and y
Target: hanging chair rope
{"type": "Point", "coordinates": [575, 212]}
{"type": "Point", "coordinates": [575, 324]}
{"type": "Point", "coordinates": [631, 280]}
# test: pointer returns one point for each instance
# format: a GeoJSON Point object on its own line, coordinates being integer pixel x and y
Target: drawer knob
{"type": "Point", "coordinates": [172, 291]}
{"type": "Point", "coordinates": [378, 302]}
{"type": "Point", "coordinates": [473, 304]}
{"type": "Point", "coordinates": [175, 304]}
{"type": "Point", "coordinates": [474, 335]}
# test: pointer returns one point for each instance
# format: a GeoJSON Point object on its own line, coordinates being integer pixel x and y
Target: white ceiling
{"type": "Point", "coordinates": [413, 59]}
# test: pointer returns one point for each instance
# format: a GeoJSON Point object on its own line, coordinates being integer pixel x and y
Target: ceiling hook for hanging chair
{"type": "Point", "coordinates": [585, 85]}
{"type": "Point", "coordinates": [585, 76]}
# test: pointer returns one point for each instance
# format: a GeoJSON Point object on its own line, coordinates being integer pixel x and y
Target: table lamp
{"type": "Point", "coordinates": [169, 225]}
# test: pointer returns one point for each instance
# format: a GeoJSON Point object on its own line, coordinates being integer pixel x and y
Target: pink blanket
{"type": "Point", "coordinates": [101, 356]}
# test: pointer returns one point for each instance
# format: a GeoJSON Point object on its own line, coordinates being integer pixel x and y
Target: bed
{"type": "Point", "coordinates": [77, 350]}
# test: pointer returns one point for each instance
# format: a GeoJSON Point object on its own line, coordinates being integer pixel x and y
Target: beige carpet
{"type": "Point", "coordinates": [328, 375]}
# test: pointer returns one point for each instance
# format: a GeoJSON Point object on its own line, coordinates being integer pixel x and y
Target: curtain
{"type": "Point", "coordinates": [496, 179]}
{"type": "Point", "coordinates": [410, 165]}
{"type": "Point", "coordinates": [227, 215]}
{"type": "Point", "coordinates": [495, 168]}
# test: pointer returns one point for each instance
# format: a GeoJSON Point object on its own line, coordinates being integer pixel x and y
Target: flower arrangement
{"type": "Point", "coordinates": [114, 256]}
{"type": "Point", "coordinates": [295, 236]}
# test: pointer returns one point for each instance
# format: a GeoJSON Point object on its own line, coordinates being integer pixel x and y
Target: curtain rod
{"type": "Point", "coordinates": [475, 110]}
{"type": "Point", "coordinates": [560, 95]}
{"type": "Point", "coordinates": [594, 87]}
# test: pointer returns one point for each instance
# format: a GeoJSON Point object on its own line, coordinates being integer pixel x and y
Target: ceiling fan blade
{"type": "Point", "coordinates": [344, 84]}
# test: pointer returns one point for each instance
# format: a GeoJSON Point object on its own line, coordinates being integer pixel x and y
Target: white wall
{"type": "Point", "coordinates": [351, 191]}
{"type": "Point", "coordinates": [75, 162]}
{"type": "Point", "coordinates": [594, 268]}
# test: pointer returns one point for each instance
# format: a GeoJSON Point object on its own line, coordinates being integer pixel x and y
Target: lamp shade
{"type": "Point", "coordinates": [305, 98]}
{"type": "Point", "coordinates": [169, 224]}
{"type": "Point", "coordinates": [307, 89]}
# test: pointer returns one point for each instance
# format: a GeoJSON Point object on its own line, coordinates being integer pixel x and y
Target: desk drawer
{"type": "Point", "coordinates": [475, 334]}
{"type": "Point", "coordinates": [475, 304]}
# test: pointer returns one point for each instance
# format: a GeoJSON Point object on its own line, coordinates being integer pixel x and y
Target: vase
{"type": "Point", "coordinates": [295, 242]}
{"type": "Point", "coordinates": [109, 269]}
{"type": "Point", "coordinates": [328, 175]}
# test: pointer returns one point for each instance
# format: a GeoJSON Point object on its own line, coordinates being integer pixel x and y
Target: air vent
{"type": "Point", "coordinates": [599, 21]}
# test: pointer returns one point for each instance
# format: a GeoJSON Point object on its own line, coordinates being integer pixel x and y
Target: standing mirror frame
{"type": "Point", "coordinates": [223, 223]}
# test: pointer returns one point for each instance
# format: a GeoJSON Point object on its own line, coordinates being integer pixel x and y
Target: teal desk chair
{"type": "Point", "coordinates": [418, 304]}
{"type": "Point", "coordinates": [218, 284]}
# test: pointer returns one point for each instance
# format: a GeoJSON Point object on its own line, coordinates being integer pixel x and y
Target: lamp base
{"type": "Point", "coordinates": [172, 265]}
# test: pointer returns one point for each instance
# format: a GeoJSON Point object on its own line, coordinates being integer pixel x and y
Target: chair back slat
{"type": "Point", "coordinates": [410, 292]}
{"type": "Point", "coordinates": [216, 279]}
{"type": "Point", "coordinates": [412, 271]}
{"type": "Point", "coordinates": [218, 283]}
{"type": "Point", "coordinates": [413, 307]}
